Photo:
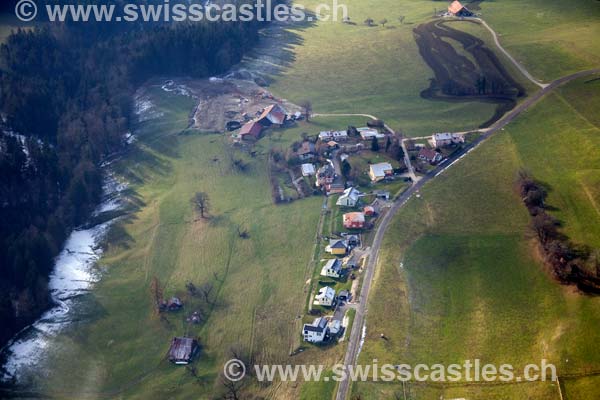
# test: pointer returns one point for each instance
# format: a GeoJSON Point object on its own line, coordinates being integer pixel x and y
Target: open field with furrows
{"type": "Point", "coordinates": [460, 273]}
{"type": "Point", "coordinates": [258, 282]}
{"type": "Point", "coordinates": [551, 38]}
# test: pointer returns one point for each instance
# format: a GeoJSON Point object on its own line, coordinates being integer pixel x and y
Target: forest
{"type": "Point", "coordinates": [66, 102]}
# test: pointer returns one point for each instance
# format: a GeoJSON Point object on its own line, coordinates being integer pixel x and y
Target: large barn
{"type": "Point", "coordinates": [458, 10]}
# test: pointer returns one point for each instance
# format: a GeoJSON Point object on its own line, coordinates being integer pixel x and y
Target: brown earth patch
{"type": "Point", "coordinates": [473, 73]}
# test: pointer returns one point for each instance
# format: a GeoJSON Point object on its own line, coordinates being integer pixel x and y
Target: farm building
{"type": "Point", "coordinates": [370, 133]}
{"type": "Point", "coordinates": [332, 268]}
{"type": "Point", "coordinates": [337, 247]}
{"type": "Point", "coordinates": [349, 198]}
{"type": "Point", "coordinates": [183, 350]}
{"type": "Point", "coordinates": [446, 139]}
{"type": "Point", "coordinates": [273, 115]}
{"type": "Point", "coordinates": [380, 171]}
{"type": "Point", "coordinates": [429, 155]}
{"type": "Point", "coordinates": [251, 130]}
{"type": "Point", "coordinates": [315, 332]}
{"type": "Point", "coordinates": [458, 10]}
{"type": "Point", "coordinates": [354, 220]}
{"type": "Point", "coordinates": [325, 297]}
{"type": "Point", "coordinates": [308, 169]}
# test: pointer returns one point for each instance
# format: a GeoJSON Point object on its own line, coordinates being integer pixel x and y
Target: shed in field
{"type": "Point", "coordinates": [183, 350]}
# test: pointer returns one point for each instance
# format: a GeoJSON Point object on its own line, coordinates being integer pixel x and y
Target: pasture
{"type": "Point", "coordinates": [460, 272]}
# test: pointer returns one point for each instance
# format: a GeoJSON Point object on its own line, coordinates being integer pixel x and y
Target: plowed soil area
{"type": "Point", "coordinates": [465, 69]}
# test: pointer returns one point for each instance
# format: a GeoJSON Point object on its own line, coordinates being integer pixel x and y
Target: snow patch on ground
{"type": "Point", "coordinates": [74, 274]}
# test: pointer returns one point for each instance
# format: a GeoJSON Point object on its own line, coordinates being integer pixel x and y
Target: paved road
{"type": "Point", "coordinates": [355, 334]}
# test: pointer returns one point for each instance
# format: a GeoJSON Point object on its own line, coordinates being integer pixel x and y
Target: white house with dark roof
{"type": "Point", "coordinates": [349, 198]}
{"type": "Point", "coordinates": [332, 268]}
{"type": "Point", "coordinates": [446, 139]}
{"type": "Point", "coordinates": [325, 297]}
{"type": "Point", "coordinates": [315, 332]}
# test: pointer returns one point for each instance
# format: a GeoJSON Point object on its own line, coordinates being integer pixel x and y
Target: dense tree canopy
{"type": "Point", "coordinates": [65, 101]}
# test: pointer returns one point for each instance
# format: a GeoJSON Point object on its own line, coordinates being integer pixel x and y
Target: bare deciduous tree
{"type": "Point", "coordinates": [383, 22]}
{"type": "Point", "coordinates": [201, 203]}
{"type": "Point", "coordinates": [307, 109]}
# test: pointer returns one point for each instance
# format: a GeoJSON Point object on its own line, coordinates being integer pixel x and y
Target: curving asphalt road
{"type": "Point", "coordinates": [355, 335]}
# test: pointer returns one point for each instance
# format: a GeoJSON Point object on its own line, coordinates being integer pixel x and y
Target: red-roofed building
{"type": "Point", "coordinates": [458, 10]}
{"type": "Point", "coordinates": [251, 129]}
{"type": "Point", "coordinates": [354, 220]}
{"type": "Point", "coordinates": [273, 115]}
{"type": "Point", "coordinates": [429, 155]}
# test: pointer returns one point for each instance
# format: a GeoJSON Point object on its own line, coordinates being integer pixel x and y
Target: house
{"type": "Point", "coordinates": [183, 350]}
{"type": "Point", "coordinates": [458, 10]}
{"type": "Point", "coordinates": [337, 247]}
{"type": "Point", "coordinates": [354, 220]}
{"type": "Point", "coordinates": [308, 169]}
{"type": "Point", "coordinates": [306, 151]}
{"type": "Point", "coordinates": [273, 115]}
{"type": "Point", "coordinates": [370, 133]}
{"type": "Point", "coordinates": [315, 332]}
{"type": "Point", "coordinates": [335, 327]}
{"type": "Point", "coordinates": [325, 135]}
{"type": "Point", "coordinates": [337, 186]}
{"type": "Point", "coordinates": [446, 139]}
{"type": "Point", "coordinates": [380, 171]}
{"type": "Point", "coordinates": [332, 144]}
{"type": "Point", "coordinates": [332, 268]}
{"type": "Point", "coordinates": [251, 130]}
{"type": "Point", "coordinates": [325, 175]}
{"type": "Point", "coordinates": [325, 297]}
{"type": "Point", "coordinates": [349, 198]}
{"type": "Point", "coordinates": [339, 136]}
{"type": "Point", "coordinates": [429, 155]}
{"type": "Point", "coordinates": [343, 295]}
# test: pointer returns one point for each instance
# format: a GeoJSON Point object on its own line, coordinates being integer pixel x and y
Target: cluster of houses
{"type": "Point", "coordinates": [273, 115]}
{"type": "Point", "coordinates": [438, 141]}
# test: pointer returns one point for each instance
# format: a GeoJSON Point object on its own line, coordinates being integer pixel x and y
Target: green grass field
{"type": "Point", "coordinates": [345, 68]}
{"type": "Point", "coordinates": [488, 285]}
{"type": "Point", "coordinates": [260, 280]}
{"type": "Point", "coordinates": [550, 39]}
{"type": "Point", "coordinates": [459, 271]}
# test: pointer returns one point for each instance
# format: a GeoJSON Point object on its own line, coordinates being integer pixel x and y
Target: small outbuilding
{"type": "Point", "coordinates": [183, 350]}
